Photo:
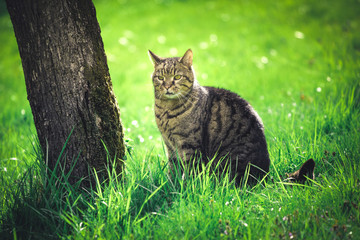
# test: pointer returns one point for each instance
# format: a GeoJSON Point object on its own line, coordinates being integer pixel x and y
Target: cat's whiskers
{"type": "Point", "coordinates": [161, 95]}
{"type": "Point", "coordinates": [181, 98]}
{"type": "Point", "coordinates": [191, 100]}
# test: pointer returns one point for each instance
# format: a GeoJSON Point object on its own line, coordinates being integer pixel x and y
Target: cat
{"type": "Point", "coordinates": [199, 124]}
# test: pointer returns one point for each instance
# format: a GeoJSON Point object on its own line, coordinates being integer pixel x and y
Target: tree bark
{"type": "Point", "coordinates": [68, 83]}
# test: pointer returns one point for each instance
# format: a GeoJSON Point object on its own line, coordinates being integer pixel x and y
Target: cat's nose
{"type": "Point", "coordinates": [167, 85]}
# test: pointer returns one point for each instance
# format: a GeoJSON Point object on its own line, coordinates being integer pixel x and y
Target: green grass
{"type": "Point", "coordinates": [296, 62]}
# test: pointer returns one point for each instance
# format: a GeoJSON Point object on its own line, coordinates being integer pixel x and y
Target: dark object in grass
{"type": "Point", "coordinates": [305, 172]}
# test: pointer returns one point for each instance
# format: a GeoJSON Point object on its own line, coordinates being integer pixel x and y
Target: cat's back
{"type": "Point", "coordinates": [233, 125]}
{"type": "Point", "coordinates": [226, 104]}
{"type": "Point", "coordinates": [217, 95]}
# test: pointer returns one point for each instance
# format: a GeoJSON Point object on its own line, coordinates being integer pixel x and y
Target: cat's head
{"type": "Point", "coordinates": [173, 78]}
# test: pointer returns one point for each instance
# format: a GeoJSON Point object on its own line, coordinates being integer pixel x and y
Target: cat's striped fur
{"type": "Point", "coordinates": [200, 123]}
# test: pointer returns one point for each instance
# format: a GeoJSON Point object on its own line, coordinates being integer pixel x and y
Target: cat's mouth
{"type": "Point", "coordinates": [170, 95]}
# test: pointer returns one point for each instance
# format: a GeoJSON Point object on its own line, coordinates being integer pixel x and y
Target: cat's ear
{"type": "Point", "coordinates": [187, 58]}
{"type": "Point", "coordinates": [155, 59]}
{"type": "Point", "coordinates": [306, 170]}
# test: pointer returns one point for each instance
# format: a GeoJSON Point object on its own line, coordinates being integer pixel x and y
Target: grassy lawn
{"type": "Point", "coordinates": [296, 62]}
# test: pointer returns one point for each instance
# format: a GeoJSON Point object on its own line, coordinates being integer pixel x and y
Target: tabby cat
{"type": "Point", "coordinates": [202, 123]}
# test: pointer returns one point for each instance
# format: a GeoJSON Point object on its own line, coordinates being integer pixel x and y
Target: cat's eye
{"type": "Point", "coordinates": [160, 78]}
{"type": "Point", "coordinates": [177, 77]}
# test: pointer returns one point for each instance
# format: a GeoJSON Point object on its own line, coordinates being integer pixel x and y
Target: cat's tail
{"type": "Point", "coordinates": [305, 172]}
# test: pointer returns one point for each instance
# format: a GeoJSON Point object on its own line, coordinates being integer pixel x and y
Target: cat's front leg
{"type": "Point", "coordinates": [174, 161]}
{"type": "Point", "coordinates": [174, 166]}
{"type": "Point", "coordinates": [190, 158]}
{"type": "Point", "coordinates": [181, 160]}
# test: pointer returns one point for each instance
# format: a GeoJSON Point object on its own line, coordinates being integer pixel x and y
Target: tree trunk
{"type": "Point", "coordinates": [68, 83]}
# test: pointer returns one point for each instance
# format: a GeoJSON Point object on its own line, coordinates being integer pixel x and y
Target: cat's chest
{"type": "Point", "coordinates": [178, 124]}
{"type": "Point", "coordinates": [169, 120]}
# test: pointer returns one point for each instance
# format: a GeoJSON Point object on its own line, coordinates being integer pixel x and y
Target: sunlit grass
{"type": "Point", "coordinates": [296, 62]}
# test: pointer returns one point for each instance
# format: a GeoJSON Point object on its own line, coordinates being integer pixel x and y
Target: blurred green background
{"type": "Point", "coordinates": [278, 55]}
{"type": "Point", "coordinates": [296, 61]}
